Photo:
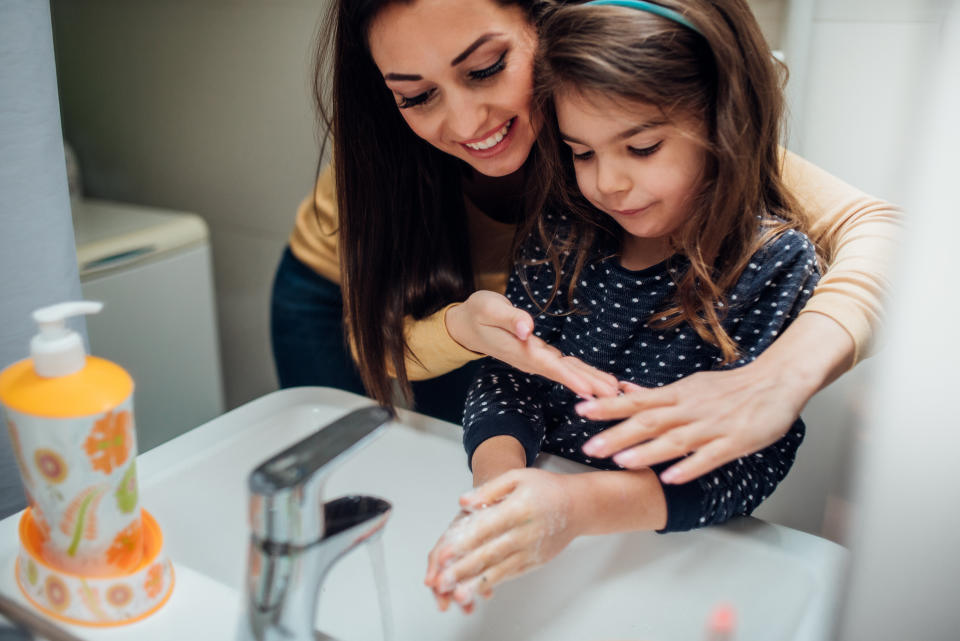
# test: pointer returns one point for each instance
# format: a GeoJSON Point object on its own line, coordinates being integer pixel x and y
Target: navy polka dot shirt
{"type": "Point", "coordinates": [610, 331]}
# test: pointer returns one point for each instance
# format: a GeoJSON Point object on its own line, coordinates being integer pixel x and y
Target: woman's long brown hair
{"type": "Point", "coordinates": [726, 77]}
{"type": "Point", "coordinates": [404, 246]}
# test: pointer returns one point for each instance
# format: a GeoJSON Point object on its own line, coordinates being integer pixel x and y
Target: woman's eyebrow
{"type": "Point", "coordinates": [403, 76]}
{"type": "Point", "coordinates": [473, 47]}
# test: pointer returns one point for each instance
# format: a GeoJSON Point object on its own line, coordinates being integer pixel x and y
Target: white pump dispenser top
{"type": "Point", "coordinates": [58, 350]}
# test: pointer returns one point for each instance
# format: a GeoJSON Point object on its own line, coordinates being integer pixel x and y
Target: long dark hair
{"type": "Point", "coordinates": [724, 76]}
{"type": "Point", "coordinates": [404, 245]}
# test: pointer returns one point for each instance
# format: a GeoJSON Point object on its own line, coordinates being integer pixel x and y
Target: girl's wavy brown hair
{"type": "Point", "coordinates": [724, 76]}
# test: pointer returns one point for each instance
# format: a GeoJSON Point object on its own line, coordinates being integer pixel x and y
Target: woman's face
{"type": "Point", "coordinates": [462, 75]}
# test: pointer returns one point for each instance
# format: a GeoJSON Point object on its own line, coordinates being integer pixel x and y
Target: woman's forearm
{"type": "Point", "coordinates": [810, 354]}
{"type": "Point", "coordinates": [616, 501]}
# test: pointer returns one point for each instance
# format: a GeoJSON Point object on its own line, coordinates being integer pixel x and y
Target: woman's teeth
{"type": "Point", "coordinates": [492, 140]}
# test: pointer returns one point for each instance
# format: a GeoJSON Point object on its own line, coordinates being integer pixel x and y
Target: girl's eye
{"type": "Point", "coordinates": [492, 70]}
{"type": "Point", "coordinates": [587, 155]}
{"type": "Point", "coordinates": [419, 99]}
{"type": "Point", "coordinates": [645, 151]}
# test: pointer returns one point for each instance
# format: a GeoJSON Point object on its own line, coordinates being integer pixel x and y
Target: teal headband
{"type": "Point", "coordinates": [649, 7]}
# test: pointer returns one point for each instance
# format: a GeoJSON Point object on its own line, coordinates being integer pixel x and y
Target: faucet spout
{"type": "Point", "coordinates": [296, 537]}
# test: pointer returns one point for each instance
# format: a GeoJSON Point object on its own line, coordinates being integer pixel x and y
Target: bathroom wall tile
{"type": "Point", "coordinates": [862, 86]}
{"type": "Point", "coordinates": [203, 107]}
{"type": "Point", "coordinates": [244, 265]}
{"type": "Point", "coordinates": [881, 10]}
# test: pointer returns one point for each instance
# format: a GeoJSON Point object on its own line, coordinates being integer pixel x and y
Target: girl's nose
{"type": "Point", "coordinates": [466, 116]}
{"type": "Point", "coordinates": [611, 179]}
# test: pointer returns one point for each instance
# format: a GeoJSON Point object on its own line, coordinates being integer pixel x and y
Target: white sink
{"type": "Point", "coordinates": [782, 583]}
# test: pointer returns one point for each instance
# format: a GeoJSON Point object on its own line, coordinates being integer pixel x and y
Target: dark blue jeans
{"type": "Point", "coordinates": [306, 331]}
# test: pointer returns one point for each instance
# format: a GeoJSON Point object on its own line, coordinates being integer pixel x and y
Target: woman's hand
{"type": "Point", "coordinates": [517, 521]}
{"type": "Point", "coordinates": [489, 324]}
{"type": "Point", "coordinates": [721, 416]}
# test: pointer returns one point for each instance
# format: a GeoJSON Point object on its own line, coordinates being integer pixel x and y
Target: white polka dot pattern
{"type": "Point", "coordinates": [608, 328]}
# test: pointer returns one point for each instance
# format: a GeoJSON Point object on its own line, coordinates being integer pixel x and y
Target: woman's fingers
{"type": "Point", "coordinates": [493, 491]}
{"type": "Point", "coordinates": [707, 458]}
{"type": "Point", "coordinates": [610, 409]}
{"type": "Point", "coordinates": [671, 444]}
{"type": "Point", "coordinates": [636, 429]}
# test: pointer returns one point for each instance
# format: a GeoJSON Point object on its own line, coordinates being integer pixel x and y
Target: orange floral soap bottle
{"type": "Point", "coordinates": [70, 418]}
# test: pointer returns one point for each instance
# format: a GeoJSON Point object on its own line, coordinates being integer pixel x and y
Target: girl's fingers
{"type": "Point", "coordinates": [493, 491]}
{"type": "Point", "coordinates": [604, 384]}
{"type": "Point", "coordinates": [708, 457]}
{"type": "Point", "coordinates": [477, 562]}
{"type": "Point", "coordinates": [672, 444]}
{"type": "Point", "coordinates": [609, 409]}
{"type": "Point", "coordinates": [632, 432]}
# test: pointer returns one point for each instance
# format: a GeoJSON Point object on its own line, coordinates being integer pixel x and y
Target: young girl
{"type": "Point", "coordinates": [667, 245]}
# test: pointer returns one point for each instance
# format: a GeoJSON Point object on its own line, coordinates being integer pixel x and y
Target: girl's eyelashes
{"type": "Point", "coordinates": [643, 152]}
{"type": "Point", "coordinates": [586, 155]}
{"type": "Point", "coordinates": [492, 70]}
{"type": "Point", "coordinates": [419, 99]}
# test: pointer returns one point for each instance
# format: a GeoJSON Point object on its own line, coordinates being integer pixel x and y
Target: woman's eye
{"type": "Point", "coordinates": [419, 99]}
{"type": "Point", "coordinates": [493, 69]}
{"type": "Point", "coordinates": [586, 155]}
{"type": "Point", "coordinates": [643, 152]}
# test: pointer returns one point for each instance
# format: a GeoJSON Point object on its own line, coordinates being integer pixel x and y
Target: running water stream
{"type": "Point", "coordinates": [379, 564]}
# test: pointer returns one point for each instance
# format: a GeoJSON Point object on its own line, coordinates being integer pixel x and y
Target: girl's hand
{"type": "Point", "coordinates": [489, 324]}
{"type": "Point", "coordinates": [719, 416]}
{"type": "Point", "coordinates": [517, 521]}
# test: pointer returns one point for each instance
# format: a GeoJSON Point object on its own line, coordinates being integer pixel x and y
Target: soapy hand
{"type": "Point", "coordinates": [488, 323]}
{"type": "Point", "coordinates": [517, 521]}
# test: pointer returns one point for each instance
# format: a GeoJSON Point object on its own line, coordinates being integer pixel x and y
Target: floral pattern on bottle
{"type": "Point", "coordinates": [127, 548]}
{"type": "Point", "coordinates": [80, 518]}
{"type": "Point", "coordinates": [91, 599]}
{"type": "Point", "coordinates": [127, 490]}
{"type": "Point", "coordinates": [51, 465]}
{"type": "Point", "coordinates": [56, 592]}
{"type": "Point", "coordinates": [110, 442]}
{"type": "Point", "coordinates": [154, 583]}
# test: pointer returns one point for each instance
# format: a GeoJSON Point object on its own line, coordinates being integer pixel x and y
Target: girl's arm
{"type": "Point", "coordinates": [721, 416]}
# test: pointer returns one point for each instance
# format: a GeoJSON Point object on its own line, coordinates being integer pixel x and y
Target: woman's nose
{"type": "Point", "coordinates": [466, 116]}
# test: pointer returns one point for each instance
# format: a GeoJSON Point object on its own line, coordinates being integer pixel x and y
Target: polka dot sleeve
{"type": "Point", "coordinates": [503, 400]}
{"type": "Point", "coordinates": [772, 291]}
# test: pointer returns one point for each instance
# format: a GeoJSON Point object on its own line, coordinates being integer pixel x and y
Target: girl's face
{"type": "Point", "coordinates": [634, 165]}
{"type": "Point", "coordinates": [461, 73]}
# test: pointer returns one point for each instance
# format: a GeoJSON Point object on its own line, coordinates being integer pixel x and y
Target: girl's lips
{"type": "Point", "coordinates": [497, 148]}
{"type": "Point", "coordinates": [630, 212]}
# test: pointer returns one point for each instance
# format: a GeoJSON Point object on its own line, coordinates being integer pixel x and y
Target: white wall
{"type": "Point", "coordinates": [862, 66]}
{"type": "Point", "coordinates": [205, 107]}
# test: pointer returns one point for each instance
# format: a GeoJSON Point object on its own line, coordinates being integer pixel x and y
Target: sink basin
{"type": "Point", "coordinates": [782, 583]}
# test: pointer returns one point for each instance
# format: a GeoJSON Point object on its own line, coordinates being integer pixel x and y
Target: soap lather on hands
{"type": "Point", "coordinates": [514, 523]}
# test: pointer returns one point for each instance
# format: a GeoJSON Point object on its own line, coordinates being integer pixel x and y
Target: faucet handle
{"type": "Point", "coordinates": [286, 502]}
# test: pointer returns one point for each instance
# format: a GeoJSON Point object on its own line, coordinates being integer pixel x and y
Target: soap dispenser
{"type": "Point", "coordinates": [70, 419]}
{"type": "Point", "coordinates": [89, 555]}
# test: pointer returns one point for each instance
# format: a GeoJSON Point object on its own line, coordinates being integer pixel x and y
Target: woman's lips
{"type": "Point", "coordinates": [497, 147]}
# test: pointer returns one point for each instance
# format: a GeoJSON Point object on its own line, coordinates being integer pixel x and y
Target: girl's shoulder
{"type": "Point", "coordinates": [786, 257]}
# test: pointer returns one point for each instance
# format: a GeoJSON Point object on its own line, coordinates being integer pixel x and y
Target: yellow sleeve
{"type": "Point", "coordinates": [435, 351]}
{"type": "Point", "coordinates": [315, 236]}
{"type": "Point", "coordinates": [857, 233]}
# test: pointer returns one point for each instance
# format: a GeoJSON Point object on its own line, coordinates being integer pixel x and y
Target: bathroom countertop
{"type": "Point", "coordinates": [782, 583]}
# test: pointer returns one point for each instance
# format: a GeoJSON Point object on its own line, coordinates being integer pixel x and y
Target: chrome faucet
{"type": "Point", "coordinates": [295, 536]}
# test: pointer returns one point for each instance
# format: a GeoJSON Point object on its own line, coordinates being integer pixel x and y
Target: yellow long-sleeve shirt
{"type": "Point", "coordinates": [855, 231]}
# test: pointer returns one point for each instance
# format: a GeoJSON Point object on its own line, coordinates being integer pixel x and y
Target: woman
{"type": "Point", "coordinates": [431, 124]}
